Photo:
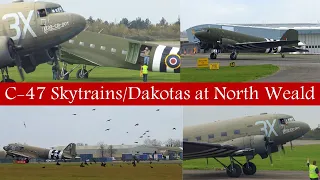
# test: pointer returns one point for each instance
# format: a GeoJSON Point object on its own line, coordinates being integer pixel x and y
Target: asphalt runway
{"type": "Point", "coordinates": [267, 175]}
{"type": "Point", "coordinates": [293, 68]}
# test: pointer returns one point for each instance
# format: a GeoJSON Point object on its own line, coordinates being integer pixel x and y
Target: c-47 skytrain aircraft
{"type": "Point", "coordinates": [248, 136]}
{"type": "Point", "coordinates": [26, 152]}
{"type": "Point", "coordinates": [100, 50]}
{"type": "Point", "coordinates": [30, 33]}
{"type": "Point", "coordinates": [214, 39]}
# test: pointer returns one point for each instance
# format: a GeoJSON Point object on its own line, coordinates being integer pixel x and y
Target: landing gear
{"type": "Point", "coordinates": [282, 55]}
{"type": "Point", "coordinates": [234, 170]}
{"type": "Point", "coordinates": [82, 73]}
{"type": "Point", "coordinates": [249, 168]}
{"type": "Point", "coordinates": [233, 55]}
{"type": "Point", "coordinates": [5, 75]}
{"type": "Point", "coordinates": [214, 54]}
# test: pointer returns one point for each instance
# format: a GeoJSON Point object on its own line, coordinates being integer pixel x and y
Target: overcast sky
{"type": "Point", "coordinates": [194, 115]}
{"type": "Point", "coordinates": [111, 10]}
{"type": "Point", "coordinates": [248, 11]}
{"type": "Point", "coordinates": [56, 126]}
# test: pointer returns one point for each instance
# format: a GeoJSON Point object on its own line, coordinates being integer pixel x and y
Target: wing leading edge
{"type": "Point", "coordinates": [263, 45]}
{"type": "Point", "coordinates": [19, 154]}
{"type": "Point", "coordinates": [195, 150]}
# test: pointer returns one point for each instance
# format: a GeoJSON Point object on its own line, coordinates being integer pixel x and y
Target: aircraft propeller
{"type": "Point", "coordinates": [268, 146]}
{"type": "Point", "coordinates": [291, 145]}
{"type": "Point", "coordinates": [56, 61]}
{"type": "Point", "coordinates": [14, 49]}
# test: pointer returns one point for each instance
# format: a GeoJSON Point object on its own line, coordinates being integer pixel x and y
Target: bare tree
{"type": "Point", "coordinates": [174, 143]}
{"type": "Point", "coordinates": [111, 151]}
{"type": "Point", "coordinates": [102, 149]}
{"type": "Point", "coordinates": [152, 142]}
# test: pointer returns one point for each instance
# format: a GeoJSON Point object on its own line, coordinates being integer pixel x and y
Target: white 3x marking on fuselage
{"type": "Point", "coordinates": [266, 124]}
{"type": "Point", "coordinates": [16, 24]}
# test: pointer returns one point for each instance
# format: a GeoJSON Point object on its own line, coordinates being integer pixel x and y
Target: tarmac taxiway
{"type": "Point", "coordinates": [293, 68]}
{"type": "Point", "coordinates": [266, 175]}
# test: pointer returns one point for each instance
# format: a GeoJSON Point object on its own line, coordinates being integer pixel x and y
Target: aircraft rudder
{"type": "Point", "coordinates": [290, 35]}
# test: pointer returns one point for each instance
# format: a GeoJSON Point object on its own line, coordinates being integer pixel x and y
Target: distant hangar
{"type": "Point", "coordinates": [309, 34]}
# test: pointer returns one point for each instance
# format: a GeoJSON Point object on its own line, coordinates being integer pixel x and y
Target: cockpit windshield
{"type": "Point", "coordinates": [54, 10]}
{"type": "Point", "coordinates": [14, 147]}
{"type": "Point", "coordinates": [286, 120]}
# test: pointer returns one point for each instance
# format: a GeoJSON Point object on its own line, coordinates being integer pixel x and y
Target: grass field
{"type": "Point", "coordinates": [73, 171]}
{"type": "Point", "coordinates": [227, 74]}
{"type": "Point", "coordinates": [43, 73]}
{"type": "Point", "coordinates": [294, 160]}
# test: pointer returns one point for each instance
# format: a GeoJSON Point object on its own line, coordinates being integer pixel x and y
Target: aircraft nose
{"type": "Point", "coordinates": [5, 148]}
{"type": "Point", "coordinates": [199, 35]}
{"type": "Point", "coordinates": [80, 21]}
{"type": "Point", "coordinates": [304, 127]}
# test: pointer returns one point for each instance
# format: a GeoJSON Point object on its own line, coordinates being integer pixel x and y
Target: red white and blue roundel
{"type": "Point", "coordinates": [173, 61]}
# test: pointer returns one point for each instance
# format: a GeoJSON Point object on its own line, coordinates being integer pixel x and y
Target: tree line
{"type": "Point", "coordinates": [138, 29]}
{"type": "Point", "coordinates": [312, 135]}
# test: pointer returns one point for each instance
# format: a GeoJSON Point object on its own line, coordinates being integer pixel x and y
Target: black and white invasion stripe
{"type": "Point", "coordinates": [158, 63]}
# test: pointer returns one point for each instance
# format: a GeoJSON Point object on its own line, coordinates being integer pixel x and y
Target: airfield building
{"type": "Point", "coordinates": [96, 152]}
{"type": "Point", "coordinates": [309, 34]}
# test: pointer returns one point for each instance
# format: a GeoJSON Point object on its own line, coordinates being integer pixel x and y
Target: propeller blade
{"type": "Point", "coordinates": [56, 61]}
{"type": "Point", "coordinates": [19, 67]}
{"type": "Point", "coordinates": [291, 145]}
{"type": "Point", "coordinates": [207, 162]}
{"type": "Point", "coordinates": [282, 148]}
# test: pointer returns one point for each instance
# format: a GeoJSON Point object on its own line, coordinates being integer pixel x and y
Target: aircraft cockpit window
{"type": "Point", "coordinates": [282, 121]}
{"type": "Point", "coordinates": [55, 10]}
{"type": "Point", "coordinates": [42, 13]}
{"type": "Point", "coordinates": [290, 119]}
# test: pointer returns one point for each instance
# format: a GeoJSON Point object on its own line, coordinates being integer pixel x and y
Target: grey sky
{"type": "Point", "coordinates": [111, 10]}
{"type": "Point", "coordinates": [56, 126]}
{"type": "Point", "coordinates": [194, 13]}
{"type": "Point", "coordinates": [194, 115]}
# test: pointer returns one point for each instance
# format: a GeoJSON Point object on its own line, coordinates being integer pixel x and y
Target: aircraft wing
{"type": "Point", "coordinates": [195, 150]}
{"type": "Point", "coordinates": [263, 45]}
{"type": "Point", "coordinates": [19, 154]}
{"type": "Point", "coordinates": [72, 58]}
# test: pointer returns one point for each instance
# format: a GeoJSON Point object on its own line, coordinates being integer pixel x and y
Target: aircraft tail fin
{"type": "Point", "coordinates": [71, 150]}
{"type": "Point", "coordinates": [290, 35]}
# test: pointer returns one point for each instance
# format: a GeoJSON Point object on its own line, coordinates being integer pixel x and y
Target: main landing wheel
{"type": "Point", "coordinates": [82, 74]}
{"type": "Point", "coordinates": [233, 56]}
{"type": "Point", "coordinates": [249, 168]}
{"type": "Point", "coordinates": [235, 171]}
{"type": "Point", "coordinates": [213, 56]}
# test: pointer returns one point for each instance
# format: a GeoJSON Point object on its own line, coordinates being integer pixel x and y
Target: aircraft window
{"type": "Point", "coordinates": [198, 138]}
{"type": "Point", "coordinates": [42, 13]}
{"type": "Point", "coordinates": [211, 136]}
{"type": "Point", "coordinates": [282, 121]}
{"type": "Point", "coordinates": [224, 134]}
{"type": "Point", "coordinates": [185, 139]}
{"type": "Point", "coordinates": [236, 131]}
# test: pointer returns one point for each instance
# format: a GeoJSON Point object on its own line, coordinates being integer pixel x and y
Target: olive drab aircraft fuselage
{"type": "Point", "coordinates": [215, 38]}
{"type": "Point", "coordinates": [248, 136]}
{"type": "Point", "coordinates": [26, 152]}
{"type": "Point", "coordinates": [101, 50]}
{"type": "Point", "coordinates": [30, 33]}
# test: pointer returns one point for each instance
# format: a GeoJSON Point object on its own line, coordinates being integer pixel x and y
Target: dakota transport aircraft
{"type": "Point", "coordinates": [95, 49]}
{"type": "Point", "coordinates": [27, 152]}
{"type": "Point", "coordinates": [248, 136]}
{"type": "Point", "coordinates": [30, 33]}
{"type": "Point", "coordinates": [214, 38]}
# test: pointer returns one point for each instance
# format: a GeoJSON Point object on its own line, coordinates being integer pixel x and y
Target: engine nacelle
{"type": "Point", "coordinates": [226, 42]}
{"type": "Point", "coordinates": [7, 53]}
{"type": "Point", "coordinates": [30, 62]}
{"type": "Point", "coordinates": [55, 154]}
{"type": "Point", "coordinates": [256, 142]}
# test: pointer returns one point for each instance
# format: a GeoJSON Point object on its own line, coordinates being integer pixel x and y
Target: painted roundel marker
{"type": "Point", "coordinates": [173, 61]}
